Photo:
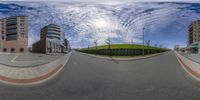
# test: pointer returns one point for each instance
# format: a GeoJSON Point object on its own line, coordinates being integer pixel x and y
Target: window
{"type": "Point", "coordinates": [4, 49]}
{"type": "Point", "coordinates": [22, 29]}
{"type": "Point", "coordinates": [11, 31]}
{"type": "Point", "coordinates": [12, 50]}
{"type": "Point", "coordinates": [22, 19]}
{"type": "Point", "coordinates": [22, 34]}
{"type": "Point", "coordinates": [21, 49]}
{"type": "Point", "coordinates": [12, 36]}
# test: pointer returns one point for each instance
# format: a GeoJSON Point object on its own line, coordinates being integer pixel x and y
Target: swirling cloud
{"type": "Point", "coordinates": [84, 23]}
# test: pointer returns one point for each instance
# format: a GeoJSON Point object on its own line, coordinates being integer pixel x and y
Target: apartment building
{"type": "Point", "coordinates": [51, 40]}
{"type": "Point", "coordinates": [194, 32]}
{"type": "Point", "coordinates": [14, 34]}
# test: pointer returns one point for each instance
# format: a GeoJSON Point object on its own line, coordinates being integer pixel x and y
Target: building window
{"type": "Point", "coordinates": [21, 49]}
{"type": "Point", "coordinates": [4, 49]}
{"type": "Point", "coordinates": [12, 49]}
{"type": "Point", "coordinates": [12, 36]}
{"type": "Point", "coordinates": [22, 29]}
{"type": "Point", "coordinates": [22, 35]}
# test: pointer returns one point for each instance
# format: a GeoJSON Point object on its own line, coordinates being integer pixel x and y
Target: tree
{"type": "Point", "coordinates": [108, 42]}
{"type": "Point", "coordinates": [132, 42]}
{"type": "Point", "coordinates": [155, 45]}
{"type": "Point", "coordinates": [148, 43]}
{"type": "Point", "coordinates": [95, 43]}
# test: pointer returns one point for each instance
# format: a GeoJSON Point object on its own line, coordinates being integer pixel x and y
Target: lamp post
{"type": "Point", "coordinates": [108, 42]}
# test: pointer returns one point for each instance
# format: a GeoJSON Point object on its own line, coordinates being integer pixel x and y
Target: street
{"type": "Point", "coordinates": [90, 78]}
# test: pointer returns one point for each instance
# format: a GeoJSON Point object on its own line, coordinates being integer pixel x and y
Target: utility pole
{"type": "Point", "coordinates": [143, 38]}
{"type": "Point", "coordinates": [82, 43]}
{"type": "Point", "coordinates": [108, 42]}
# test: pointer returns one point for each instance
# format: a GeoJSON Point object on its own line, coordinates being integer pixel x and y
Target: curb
{"type": "Point", "coordinates": [124, 59]}
{"type": "Point", "coordinates": [34, 80]}
{"type": "Point", "coordinates": [190, 71]}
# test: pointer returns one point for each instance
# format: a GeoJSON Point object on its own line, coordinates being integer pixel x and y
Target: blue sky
{"type": "Point", "coordinates": [165, 22]}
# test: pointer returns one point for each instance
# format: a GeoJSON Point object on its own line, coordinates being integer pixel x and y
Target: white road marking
{"type": "Point", "coordinates": [15, 57]}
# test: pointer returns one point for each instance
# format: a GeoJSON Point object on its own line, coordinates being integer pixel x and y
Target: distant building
{"type": "Point", "coordinates": [51, 40]}
{"type": "Point", "coordinates": [194, 32]}
{"type": "Point", "coordinates": [185, 50]}
{"type": "Point", "coordinates": [176, 47]}
{"type": "Point", "coordinates": [67, 45]}
{"type": "Point", "coordinates": [14, 34]}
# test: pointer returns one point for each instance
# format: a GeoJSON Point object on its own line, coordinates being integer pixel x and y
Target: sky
{"type": "Point", "coordinates": [165, 23]}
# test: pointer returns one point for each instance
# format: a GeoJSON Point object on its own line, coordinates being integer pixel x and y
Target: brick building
{"type": "Point", "coordinates": [14, 34]}
{"type": "Point", "coordinates": [51, 40]}
{"type": "Point", "coordinates": [194, 32]}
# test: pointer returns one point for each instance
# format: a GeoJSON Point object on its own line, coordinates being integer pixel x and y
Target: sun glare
{"type": "Point", "coordinates": [100, 23]}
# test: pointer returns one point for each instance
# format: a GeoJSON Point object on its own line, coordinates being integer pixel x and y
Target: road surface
{"type": "Point", "coordinates": [89, 78]}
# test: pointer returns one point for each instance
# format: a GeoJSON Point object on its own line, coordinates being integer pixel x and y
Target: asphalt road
{"type": "Point", "coordinates": [89, 78]}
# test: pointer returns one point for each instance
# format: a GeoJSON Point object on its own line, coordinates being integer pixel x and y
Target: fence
{"type": "Point", "coordinates": [122, 52]}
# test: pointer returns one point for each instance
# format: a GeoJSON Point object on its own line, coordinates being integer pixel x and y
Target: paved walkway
{"type": "Point", "coordinates": [27, 60]}
{"type": "Point", "coordinates": [16, 75]}
{"type": "Point", "coordinates": [193, 57]}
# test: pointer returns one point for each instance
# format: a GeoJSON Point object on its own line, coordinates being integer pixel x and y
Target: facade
{"type": "Point", "coordinates": [51, 40]}
{"type": "Point", "coordinates": [194, 48]}
{"type": "Point", "coordinates": [67, 45]}
{"type": "Point", "coordinates": [194, 32]}
{"type": "Point", "coordinates": [14, 34]}
{"type": "Point", "coordinates": [185, 50]}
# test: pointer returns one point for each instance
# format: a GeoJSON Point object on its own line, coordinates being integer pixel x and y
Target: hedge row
{"type": "Point", "coordinates": [122, 52]}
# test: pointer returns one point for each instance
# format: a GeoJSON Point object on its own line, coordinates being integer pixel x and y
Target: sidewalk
{"type": "Point", "coordinates": [32, 75]}
{"type": "Point", "coordinates": [27, 60]}
{"type": "Point", "coordinates": [193, 57]}
{"type": "Point", "coordinates": [190, 63]}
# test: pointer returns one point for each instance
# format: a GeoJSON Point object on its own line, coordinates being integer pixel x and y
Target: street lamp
{"type": "Point", "coordinates": [108, 42]}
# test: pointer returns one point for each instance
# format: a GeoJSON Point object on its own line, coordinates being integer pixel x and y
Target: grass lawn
{"type": "Point", "coordinates": [122, 46]}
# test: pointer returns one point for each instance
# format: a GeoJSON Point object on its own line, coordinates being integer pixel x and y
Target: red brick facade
{"type": "Point", "coordinates": [14, 34]}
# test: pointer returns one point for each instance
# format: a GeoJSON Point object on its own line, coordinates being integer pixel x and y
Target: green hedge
{"type": "Point", "coordinates": [122, 52]}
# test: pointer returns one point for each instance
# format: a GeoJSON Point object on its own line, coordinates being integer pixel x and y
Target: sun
{"type": "Point", "coordinates": [100, 23]}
